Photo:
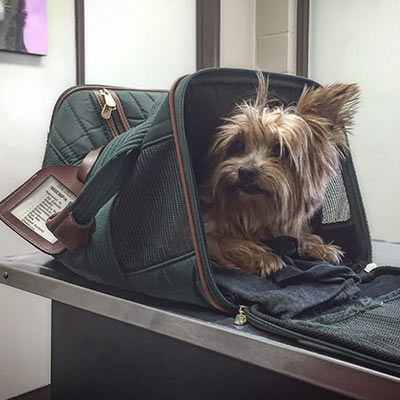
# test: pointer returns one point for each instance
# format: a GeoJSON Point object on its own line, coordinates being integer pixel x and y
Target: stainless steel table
{"type": "Point", "coordinates": [111, 344]}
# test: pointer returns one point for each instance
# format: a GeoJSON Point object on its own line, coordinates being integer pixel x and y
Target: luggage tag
{"type": "Point", "coordinates": [46, 193]}
{"type": "Point", "coordinates": [27, 209]}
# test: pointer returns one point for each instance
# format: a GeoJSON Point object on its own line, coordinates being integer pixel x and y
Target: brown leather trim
{"type": "Point", "coordinates": [88, 163]}
{"type": "Point", "coordinates": [73, 235]}
{"type": "Point", "coordinates": [110, 122]}
{"type": "Point", "coordinates": [67, 175]}
{"type": "Point", "coordinates": [187, 201]}
{"type": "Point", "coordinates": [124, 121]}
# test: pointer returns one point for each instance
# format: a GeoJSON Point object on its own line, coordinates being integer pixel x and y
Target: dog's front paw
{"type": "Point", "coordinates": [324, 252]}
{"type": "Point", "coordinates": [268, 264]}
{"type": "Point", "coordinates": [244, 255]}
{"type": "Point", "coordinates": [258, 259]}
{"type": "Point", "coordinates": [314, 247]}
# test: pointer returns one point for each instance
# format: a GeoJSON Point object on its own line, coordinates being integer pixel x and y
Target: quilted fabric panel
{"type": "Point", "coordinates": [78, 126]}
{"type": "Point", "coordinates": [137, 104]}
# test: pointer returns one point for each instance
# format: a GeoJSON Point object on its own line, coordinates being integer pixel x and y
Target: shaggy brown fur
{"type": "Point", "coordinates": [268, 171]}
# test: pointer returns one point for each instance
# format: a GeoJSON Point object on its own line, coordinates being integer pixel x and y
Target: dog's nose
{"type": "Point", "coordinates": [248, 173]}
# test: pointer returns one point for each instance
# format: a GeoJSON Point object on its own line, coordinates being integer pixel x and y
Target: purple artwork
{"type": "Point", "coordinates": [23, 26]}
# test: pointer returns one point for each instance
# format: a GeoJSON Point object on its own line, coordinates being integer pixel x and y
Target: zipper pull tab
{"type": "Point", "coordinates": [109, 105]}
{"type": "Point", "coordinates": [241, 318]}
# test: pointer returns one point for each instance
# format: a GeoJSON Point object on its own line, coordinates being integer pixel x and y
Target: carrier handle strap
{"type": "Point", "coordinates": [108, 174]}
{"type": "Point", "coordinates": [75, 225]}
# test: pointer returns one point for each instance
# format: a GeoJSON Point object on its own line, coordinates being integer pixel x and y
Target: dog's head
{"type": "Point", "coordinates": [279, 159]}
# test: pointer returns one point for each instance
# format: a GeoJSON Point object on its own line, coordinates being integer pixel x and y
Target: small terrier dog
{"type": "Point", "coordinates": [268, 171]}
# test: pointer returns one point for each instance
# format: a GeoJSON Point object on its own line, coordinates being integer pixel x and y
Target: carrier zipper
{"type": "Point", "coordinates": [241, 318]}
{"type": "Point", "coordinates": [109, 104]}
{"type": "Point", "coordinates": [218, 302]}
{"type": "Point", "coordinates": [103, 96]}
{"type": "Point", "coordinates": [121, 113]}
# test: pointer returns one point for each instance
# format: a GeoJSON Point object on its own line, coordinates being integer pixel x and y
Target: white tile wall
{"type": "Point", "coordinates": [272, 17]}
{"type": "Point", "coordinates": [238, 37]}
{"type": "Point", "coordinates": [272, 52]}
{"type": "Point", "coordinates": [276, 35]}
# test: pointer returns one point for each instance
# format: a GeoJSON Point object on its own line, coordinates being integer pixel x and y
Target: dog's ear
{"type": "Point", "coordinates": [334, 105]}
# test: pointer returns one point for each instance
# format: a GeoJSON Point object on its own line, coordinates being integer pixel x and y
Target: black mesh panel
{"type": "Point", "coordinates": [377, 331]}
{"type": "Point", "coordinates": [149, 220]}
{"type": "Point", "coordinates": [342, 218]}
{"type": "Point", "coordinates": [336, 207]}
{"type": "Point", "coordinates": [373, 332]}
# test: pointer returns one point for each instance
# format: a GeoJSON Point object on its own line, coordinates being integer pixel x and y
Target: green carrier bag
{"type": "Point", "coordinates": [145, 231]}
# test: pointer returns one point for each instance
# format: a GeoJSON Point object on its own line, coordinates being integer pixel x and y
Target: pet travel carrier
{"type": "Point", "coordinates": [136, 221]}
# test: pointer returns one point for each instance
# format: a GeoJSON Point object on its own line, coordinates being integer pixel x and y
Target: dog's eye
{"type": "Point", "coordinates": [280, 151]}
{"type": "Point", "coordinates": [236, 148]}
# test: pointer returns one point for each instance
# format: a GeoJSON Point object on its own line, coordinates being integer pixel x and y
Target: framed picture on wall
{"type": "Point", "coordinates": [23, 26]}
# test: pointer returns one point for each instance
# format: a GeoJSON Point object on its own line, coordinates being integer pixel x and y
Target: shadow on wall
{"type": "Point", "coordinates": [20, 59]}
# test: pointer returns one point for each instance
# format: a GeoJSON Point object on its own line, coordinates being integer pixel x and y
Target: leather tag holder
{"type": "Point", "coordinates": [64, 227]}
{"type": "Point", "coordinates": [27, 209]}
{"type": "Point", "coordinates": [38, 211]}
